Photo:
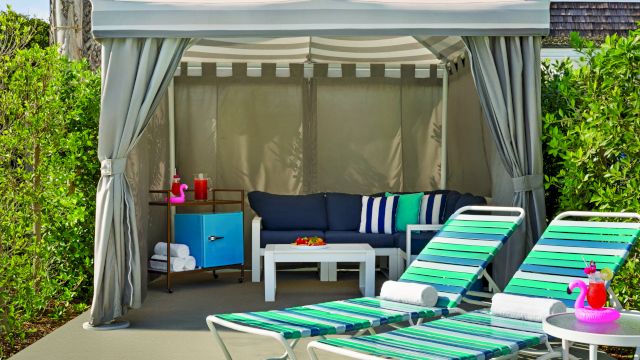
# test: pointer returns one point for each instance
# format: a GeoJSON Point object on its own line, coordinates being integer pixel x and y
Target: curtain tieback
{"type": "Point", "coordinates": [110, 167]}
{"type": "Point", "coordinates": [527, 183]}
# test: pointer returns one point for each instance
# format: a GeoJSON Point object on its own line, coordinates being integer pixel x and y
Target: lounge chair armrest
{"type": "Point", "coordinates": [491, 209]}
{"type": "Point", "coordinates": [257, 221]}
{"type": "Point", "coordinates": [622, 215]}
{"type": "Point", "coordinates": [424, 227]}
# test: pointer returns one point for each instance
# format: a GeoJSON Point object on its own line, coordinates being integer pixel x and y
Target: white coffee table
{"type": "Point", "coordinates": [624, 332]}
{"type": "Point", "coordinates": [333, 253]}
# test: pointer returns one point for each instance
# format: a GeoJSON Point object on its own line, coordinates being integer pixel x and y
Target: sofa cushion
{"type": "Point", "coordinates": [354, 237]}
{"type": "Point", "coordinates": [286, 237]}
{"type": "Point", "coordinates": [343, 211]}
{"type": "Point", "coordinates": [289, 212]}
{"type": "Point", "coordinates": [418, 240]}
{"type": "Point", "coordinates": [432, 208]}
{"type": "Point", "coordinates": [378, 215]}
{"type": "Point", "coordinates": [456, 200]}
{"type": "Point", "coordinates": [408, 209]}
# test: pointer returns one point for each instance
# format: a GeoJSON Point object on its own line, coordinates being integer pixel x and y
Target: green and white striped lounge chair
{"type": "Point", "coordinates": [553, 262]}
{"type": "Point", "coordinates": [452, 261]}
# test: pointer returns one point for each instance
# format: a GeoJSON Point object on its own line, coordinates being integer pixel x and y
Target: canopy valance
{"type": "Point", "coordinates": [284, 18]}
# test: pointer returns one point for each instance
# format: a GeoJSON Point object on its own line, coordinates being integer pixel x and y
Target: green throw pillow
{"type": "Point", "coordinates": [408, 210]}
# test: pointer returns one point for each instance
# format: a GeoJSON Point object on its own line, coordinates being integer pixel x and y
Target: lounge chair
{"type": "Point", "coordinates": [553, 262]}
{"type": "Point", "coordinates": [452, 261]}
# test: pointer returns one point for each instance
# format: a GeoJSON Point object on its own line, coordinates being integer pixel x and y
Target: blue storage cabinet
{"type": "Point", "coordinates": [214, 239]}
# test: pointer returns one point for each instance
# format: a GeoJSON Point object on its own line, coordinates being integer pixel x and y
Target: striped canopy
{"type": "Point", "coordinates": [318, 49]}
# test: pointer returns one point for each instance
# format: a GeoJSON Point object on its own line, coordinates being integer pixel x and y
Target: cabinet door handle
{"type": "Point", "coordinates": [214, 238]}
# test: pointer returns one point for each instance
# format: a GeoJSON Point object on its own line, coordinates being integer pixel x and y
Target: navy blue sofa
{"type": "Point", "coordinates": [336, 218]}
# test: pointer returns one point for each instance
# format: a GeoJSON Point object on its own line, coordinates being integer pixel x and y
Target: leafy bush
{"type": "Point", "coordinates": [591, 137]}
{"type": "Point", "coordinates": [49, 110]}
{"type": "Point", "coordinates": [18, 31]}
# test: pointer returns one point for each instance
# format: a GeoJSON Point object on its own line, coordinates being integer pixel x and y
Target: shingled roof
{"type": "Point", "coordinates": [592, 19]}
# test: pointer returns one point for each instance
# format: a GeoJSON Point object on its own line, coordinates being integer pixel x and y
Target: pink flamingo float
{"type": "Point", "coordinates": [588, 314]}
{"type": "Point", "coordinates": [180, 198]}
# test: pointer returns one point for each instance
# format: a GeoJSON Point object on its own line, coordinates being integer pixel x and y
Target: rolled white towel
{"type": "Point", "coordinates": [159, 262]}
{"type": "Point", "coordinates": [189, 263]}
{"type": "Point", "coordinates": [524, 307]}
{"type": "Point", "coordinates": [409, 293]}
{"type": "Point", "coordinates": [177, 250]}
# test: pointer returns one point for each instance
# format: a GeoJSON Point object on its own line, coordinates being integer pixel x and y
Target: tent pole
{"type": "Point", "coordinates": [443, 148]}
{"type": "Point", "coordinates": [172, 127]}
{"type": "Point", "coordinates": [172, 142]}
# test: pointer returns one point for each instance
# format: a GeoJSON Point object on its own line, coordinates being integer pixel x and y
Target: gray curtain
{"type": "Point", "coordinates": [135, 75]}
{"type": "Point", "coordinates": [506, 71]}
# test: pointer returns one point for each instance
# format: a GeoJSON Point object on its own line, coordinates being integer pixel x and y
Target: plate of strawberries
{"type": "Point", "coordinates": [310, 242]}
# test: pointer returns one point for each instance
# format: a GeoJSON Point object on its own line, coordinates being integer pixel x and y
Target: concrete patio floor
{"type": "Point", "coordinates": [172, 326]}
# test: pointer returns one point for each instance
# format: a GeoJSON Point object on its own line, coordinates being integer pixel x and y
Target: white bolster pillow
{"type": "Point", "coordinates": [524, 307]}
{"type": "Point", "coordinates": [409, 293]}
{"type": "Point", "coordinates": [177, 250]}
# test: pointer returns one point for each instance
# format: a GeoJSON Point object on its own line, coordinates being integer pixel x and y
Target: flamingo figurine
{"type": "Point", "coordinates": [588, 314]}
{"type": "Point", "coordinates": [178, 199]}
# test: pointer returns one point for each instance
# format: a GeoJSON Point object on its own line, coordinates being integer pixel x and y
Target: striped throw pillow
{"type": "Point", "coordinates": [432, 209]}
{"type": "Point", "coordinates": [378, 214]}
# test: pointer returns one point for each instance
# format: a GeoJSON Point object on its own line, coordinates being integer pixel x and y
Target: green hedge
{"type": "Point", "coordinates": [49, 110]}
{"type": "Point", "coordinates": [592, 137]}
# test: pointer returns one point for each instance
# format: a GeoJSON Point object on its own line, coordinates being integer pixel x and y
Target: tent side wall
{"type": "Point", "coordinates": [254, 133]}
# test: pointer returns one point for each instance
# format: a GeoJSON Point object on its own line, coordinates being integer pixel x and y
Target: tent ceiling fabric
{"type": "Point", "coordinates": [284, 18]}
{"type": "Point", "coordinates": [367, 50]}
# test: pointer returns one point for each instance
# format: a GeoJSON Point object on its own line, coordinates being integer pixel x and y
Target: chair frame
{"type": "Point", "coordinates": [288, 345]}
{"type": "Point", "coordinates": [549, 354]}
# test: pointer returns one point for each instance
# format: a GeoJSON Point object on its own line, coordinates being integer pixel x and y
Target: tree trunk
{"type": "Point", "coordinates": [66, 25]}
{"type": "Point", "coordinates": [37, 214]}
{"type": "Point", "coordinates": [91, 48]}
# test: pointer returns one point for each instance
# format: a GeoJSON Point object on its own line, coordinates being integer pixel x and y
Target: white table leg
{"type": "Point", "coordinates": [636, 356]}
{"type": "Point", "coordinates": [324, 271]}
{"type": "Point", "coordinates": [593, 352]}
{"type": "Point", "coordinates": [328, 271]}
{"type": "Point", "coordinates": [269, 277]}
{"type": "Point", "coordinates": [565, 349]}
{"type": "Point", "coordinates": [368, 275]}
{"type": "Point", "coordinates": [333, 271]}
{"type": "Point", "coordinates": [393, 266]}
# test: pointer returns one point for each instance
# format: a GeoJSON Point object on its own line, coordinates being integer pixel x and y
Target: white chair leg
{"type": "Point", "coordinates": [256, 265]}
{"type": "Point", "coordinates": [255, 249]}
{"type": "Point", "coordinates": [288, 348]}
{"type": "Point", "coordinates": [286, 353]}
{"type": "Point", "coordinates": [401, 263]}
{"type": "Point", "coordinates": [221, 343]}
{"type": "Point", "coordinates": [312, 353]}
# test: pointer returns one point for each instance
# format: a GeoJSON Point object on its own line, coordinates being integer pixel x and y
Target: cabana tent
{"type": "Point", "coordinates": [145, 40]}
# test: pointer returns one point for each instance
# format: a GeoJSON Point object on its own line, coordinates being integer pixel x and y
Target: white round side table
{"type": "Point", "coordinates": [624, 332]}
